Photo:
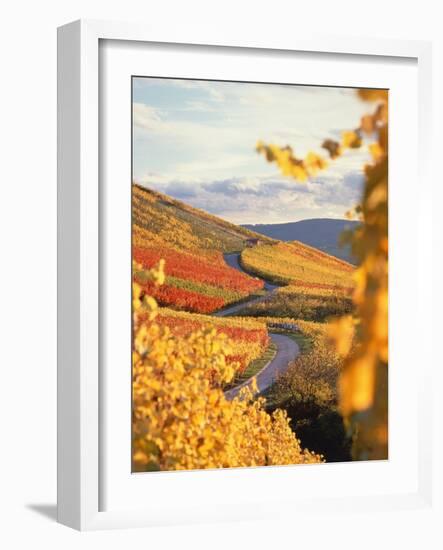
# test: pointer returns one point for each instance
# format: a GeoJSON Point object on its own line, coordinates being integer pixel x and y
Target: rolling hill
{"type": "Point", "coordinates": [322, 233]}
{"type": "Point", "coordinates": [200, 282]}
{"type": "Point", "coordinates": [159, 218]}
{"type": "Point", "coordinates": [192, 243]}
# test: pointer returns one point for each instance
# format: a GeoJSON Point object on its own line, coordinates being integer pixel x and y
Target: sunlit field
{"type": "Point", "coordinates": [250, 350]}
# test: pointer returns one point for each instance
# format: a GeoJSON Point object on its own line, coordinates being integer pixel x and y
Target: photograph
{"type": "Point", "coordinates": [230, 228]}
{"type": "Point", "coordinates": [259, 274]}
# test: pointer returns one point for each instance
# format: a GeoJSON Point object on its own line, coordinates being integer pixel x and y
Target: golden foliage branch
{"type": "Point", "coordinates": [181, 418]}
{"type": "Point", "coordinates": [364, 377]}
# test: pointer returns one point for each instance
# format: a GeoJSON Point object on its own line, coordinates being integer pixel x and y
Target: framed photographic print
{"type": "Point", "coordinates": [233, 276]}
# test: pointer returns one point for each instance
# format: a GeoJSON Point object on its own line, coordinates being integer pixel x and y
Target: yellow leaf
{"type": "Point", "coordinates": [341, 333]}
{"type": "Point", "coordinates": [376, 151]}
{"type": "Point", "coordinates": [351, 139]}
{"type": "Point", "coordinates": [357, 384]}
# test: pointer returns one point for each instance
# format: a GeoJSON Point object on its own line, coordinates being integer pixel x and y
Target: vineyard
{"type": "Point", "coordinates": [159, 219]}
{"type": "Point", "coordinates": [249, 337]}
{"type": "Point", "coordinates": [198, 282]}
{"type": "Point", "coordinates": [308, 392]}
{"type": "Point", "coordinates": [254, 349]}
{"type": "Point", "coordinates": [182, 419]}
{"type": "Point", "coordinates": [315, 286]}
{"type": "Point", "coordinates": [298, 265]}
{"type": "Point", "coordinates": [181, 347]}
{"type": "Point", "coordinates": [192, 245]}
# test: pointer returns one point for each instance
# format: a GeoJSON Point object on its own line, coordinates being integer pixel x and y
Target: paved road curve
{"type": "Point", "coordinates": [233, 260]}
{"type": "Point", "coordinates": [287, 349]}
{"type": "Point", "coordinates": [230, 310]}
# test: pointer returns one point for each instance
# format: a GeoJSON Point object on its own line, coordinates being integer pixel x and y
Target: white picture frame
{"type": "Point", "coordinates": [80, 411]}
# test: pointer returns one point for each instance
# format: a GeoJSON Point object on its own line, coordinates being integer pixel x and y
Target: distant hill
{"type": "Point", "coordinates": [322, 233]}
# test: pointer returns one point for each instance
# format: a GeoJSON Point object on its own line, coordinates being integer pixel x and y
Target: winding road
{"type": "Point", "coordinates": [287, 349]}
{"type": "Point", "coordinates": [233, 260]}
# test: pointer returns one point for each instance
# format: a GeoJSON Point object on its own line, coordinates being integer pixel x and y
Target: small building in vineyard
{"type": "Point", "coordinates": [252, 242]}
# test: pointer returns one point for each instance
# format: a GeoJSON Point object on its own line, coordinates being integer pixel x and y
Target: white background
{"type": "Point", "coordinates": [28, 285]}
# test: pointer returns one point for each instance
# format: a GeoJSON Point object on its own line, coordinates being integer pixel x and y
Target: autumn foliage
{"type": "Point", "coordinates": [212, 271]}
{"type": "Point", "coordinates": [192, 244]}
{"type": "Point", "coordinates": [298, 264]}
{"type": "Point", "coordinates": [308, 391]}
{"type": "Point", "coordinates": [181, 418]}
{"type": "Point", "coordinates": [248, 337]}
{"type": "Point", "coordinates": [361, 339]}
{"type": "Point", "coordinates": [180, 298]}
{"type": "Point", "coordinates": [183, 358]}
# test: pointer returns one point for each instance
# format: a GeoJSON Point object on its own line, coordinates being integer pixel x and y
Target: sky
{"type": "Point", "coordinates": [195, 141]}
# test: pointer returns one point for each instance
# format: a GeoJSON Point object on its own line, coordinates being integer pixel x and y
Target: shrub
{"type": "Point", "coordinates": [308, 392]}
{"type": "Point", "coordinates": [181, 418]}
{"type": "Point", "coordinates": [300, 306]}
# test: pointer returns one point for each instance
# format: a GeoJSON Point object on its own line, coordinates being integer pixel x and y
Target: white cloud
{"type": "Point", "coordinates": [151, 122]}
{"type": "Point", "coordinates": [211, 165]}
{"type": "Point", "coordinates": [265, 199]}
{"type": "Point", "coordinates": [146, 117]}
{"type": "Point", "coordinates": [199, 107]}
{"type": "Point", "coordinates": [195, 140]}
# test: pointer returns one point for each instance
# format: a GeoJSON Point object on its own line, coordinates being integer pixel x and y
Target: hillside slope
{"type": "Point", "coordinates": [192, 243]}
{"type": "Point", "coordinates": [316, 285]}
{"type": "Point", "coordinates": [321, 233]}
{"type": "Point", "coordinates": [195, 245]}
{"type": "Point", "coordinates": [295, 263]}
{"type": "Point", "coordinates": [159, 217]}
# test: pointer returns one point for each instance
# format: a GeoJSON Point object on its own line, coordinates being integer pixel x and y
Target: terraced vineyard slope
{"type": "Point", "coordinates": [224, 278]}
{"type": "Point", "coordinates": [192, 243]}
{"type": "Point", "coordinates": [314, 285]}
